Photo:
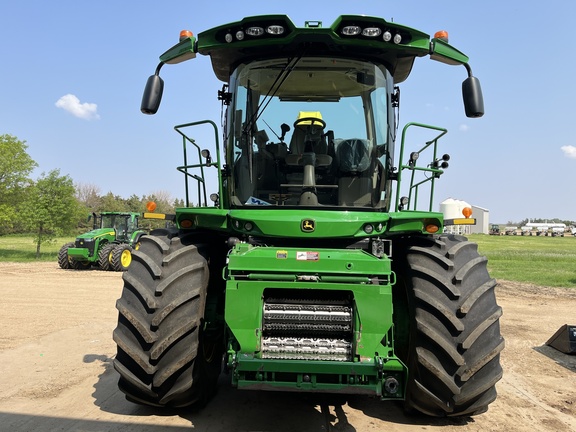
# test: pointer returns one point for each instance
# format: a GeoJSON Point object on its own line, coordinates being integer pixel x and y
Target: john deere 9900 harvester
{"type": "Point", "coordinates": [318, 264]}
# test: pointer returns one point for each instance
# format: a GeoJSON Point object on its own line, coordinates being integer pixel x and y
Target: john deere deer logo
{"type": "Point", "coordinates": [307, 225]}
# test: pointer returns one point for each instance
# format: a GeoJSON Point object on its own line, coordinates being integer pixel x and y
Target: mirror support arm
{"type": "Point", "coordinates": [157, 71]}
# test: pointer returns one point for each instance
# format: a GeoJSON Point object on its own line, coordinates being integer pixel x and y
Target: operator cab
{"type": "Point", "coordinates": [334, 152]}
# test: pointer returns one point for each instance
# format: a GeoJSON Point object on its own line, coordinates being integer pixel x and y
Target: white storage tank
{"type": "Point", "coordinates": [452, 209]}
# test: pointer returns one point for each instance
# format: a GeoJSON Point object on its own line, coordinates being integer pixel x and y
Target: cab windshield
{"type": "Point", "coordinates": [309, 132]}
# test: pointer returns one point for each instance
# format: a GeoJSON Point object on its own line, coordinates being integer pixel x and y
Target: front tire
{"type": "Point", "coordinates": [162, 357]}
{"type": "Point", "coordinates": [449, 331]}
{"type": "Point", "coordinates": [105, 256]}
{"type": "Point", "coordinates": [63, 261]}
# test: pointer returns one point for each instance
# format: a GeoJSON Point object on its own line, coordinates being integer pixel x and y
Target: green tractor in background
{"type": "Point", "coordinates": [109, 245]}
{"type": "Point", "coordinates": [314, 266]}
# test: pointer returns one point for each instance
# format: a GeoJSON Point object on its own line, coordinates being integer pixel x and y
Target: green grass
{"type": "Point", "coordinates": [545, 261]}
{"type": "Point", "coordinates": [16, 248]}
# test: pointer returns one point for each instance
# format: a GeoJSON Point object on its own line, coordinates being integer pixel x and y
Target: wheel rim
{"type": "Point", "coordinates": [126, 258]}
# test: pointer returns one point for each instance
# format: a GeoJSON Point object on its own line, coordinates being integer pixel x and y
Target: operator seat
{"type": "Point", "coordinates": [355, 183]}
{"type": "Point", "coordinates": [308, 131]}
{"type": "Point", "coordinates": [308, 137]}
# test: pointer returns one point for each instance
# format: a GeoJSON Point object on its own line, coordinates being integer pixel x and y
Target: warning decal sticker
{"type": "Point", "coordinates": [307, 256]}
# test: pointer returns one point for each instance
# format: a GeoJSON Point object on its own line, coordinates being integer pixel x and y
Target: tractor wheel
{"type": "Point", "coordinates": [121, 257]}
{"type": "Point", "coordinates": [165, 356]}
{"type": "Point", "coordinates": [105, 256]}
{"type": "Point", "coordinates": [447, 326]}
{"type": "Point", "coordinates": [63, 261]}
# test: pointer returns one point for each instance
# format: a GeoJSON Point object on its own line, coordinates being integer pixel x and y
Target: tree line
{"type": "Point", "coordinates": [53, 205]}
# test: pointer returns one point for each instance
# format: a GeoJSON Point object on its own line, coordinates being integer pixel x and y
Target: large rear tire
{"type": "Point", "coordinates": [162, 357]}
{"type": "Point", "coordinates": [448, 330]}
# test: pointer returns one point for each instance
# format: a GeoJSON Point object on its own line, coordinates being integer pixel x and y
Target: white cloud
{"type": "Point", "coordinates": [569, 151]}
{"type": "Point", "coordinates": [463, 128]}
{"type": "Point", "coordinates": [86, 111]}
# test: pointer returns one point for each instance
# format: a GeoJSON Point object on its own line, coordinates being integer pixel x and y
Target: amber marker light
{"type": "Point", "coordinates": [186, 223]}
{"type": "Point", "coordinates": [442, 35]}
{"type": "Point", "coordinates": [185, 34]}
{"type": "Point", "coordinates": [467, 212]}
{"type": "Point", "coordinates": [150, 206]}
{"type": "Point", "coordinates": [431, 228]}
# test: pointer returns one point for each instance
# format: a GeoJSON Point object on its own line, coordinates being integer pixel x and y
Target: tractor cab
{"type": "Point", "coordinates": [332, 154]}
{"type": "Point", "coordinates": [310, 113]}
{"type": "Point", "coordinates": [124, 224]}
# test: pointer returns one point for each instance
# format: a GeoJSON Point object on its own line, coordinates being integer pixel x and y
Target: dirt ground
{"type": "Point", "coordinates": [56, 354]}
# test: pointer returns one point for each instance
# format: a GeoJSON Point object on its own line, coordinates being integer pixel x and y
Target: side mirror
{"type": "Point", "coordinates": [152, 95]}
{"type": "Point", "coordinates": [472, 96]}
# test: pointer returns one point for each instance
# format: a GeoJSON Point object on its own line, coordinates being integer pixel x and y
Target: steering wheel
{"type": "Point", "coordinates": [312, 120]}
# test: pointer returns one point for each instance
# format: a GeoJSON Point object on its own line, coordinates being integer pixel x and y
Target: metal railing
{"type": "Point", "coordinates": [203, 162]}
{"type": "Point", "coordinates": [411, 165]}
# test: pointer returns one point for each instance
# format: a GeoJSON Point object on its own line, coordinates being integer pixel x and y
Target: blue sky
{"type": "Point", "coordinates": [73, 74]}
